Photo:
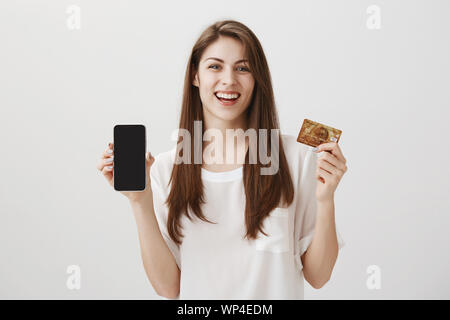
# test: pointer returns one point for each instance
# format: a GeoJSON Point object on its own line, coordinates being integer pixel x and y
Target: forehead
{"type": "Point", "coordinates": [225, 48]}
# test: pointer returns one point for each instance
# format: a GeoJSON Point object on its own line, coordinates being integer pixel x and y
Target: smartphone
{"type": "Point", "coordinates": [129, 157]}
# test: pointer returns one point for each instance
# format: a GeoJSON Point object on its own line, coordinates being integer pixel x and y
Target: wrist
{"type": "Point", "coordinates": [141, 201]}
{"type": "Point", "coordinates": [325, 209]}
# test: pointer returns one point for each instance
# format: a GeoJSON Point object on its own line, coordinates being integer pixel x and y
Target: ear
{"type": "Point", "coordinates": [195, 82]}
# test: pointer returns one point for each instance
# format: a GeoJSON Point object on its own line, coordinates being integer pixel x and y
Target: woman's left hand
{"type": "Point", "coordinates": [331, 166]}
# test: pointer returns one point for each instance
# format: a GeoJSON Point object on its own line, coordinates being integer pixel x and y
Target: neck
{"type": "Point", "coordinates": [238, 144]}
{"type": "Point", "coordinates": [223, 125]}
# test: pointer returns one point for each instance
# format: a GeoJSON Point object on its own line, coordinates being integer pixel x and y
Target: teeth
{"type": "Point", "coordinates": [227, 96]}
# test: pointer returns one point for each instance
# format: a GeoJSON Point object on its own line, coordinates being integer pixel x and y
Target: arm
{"type": "Point", "coordinates": [318, 261]}
{"type": "Point", "coordinates": [159, 263]}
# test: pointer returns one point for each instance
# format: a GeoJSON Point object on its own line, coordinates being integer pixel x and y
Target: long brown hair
{"type": "Point", "coordinates": [263, 193]}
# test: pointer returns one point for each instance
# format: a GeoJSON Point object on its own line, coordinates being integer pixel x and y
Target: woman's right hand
{"type": "Point", "coordinates": [106, 166]}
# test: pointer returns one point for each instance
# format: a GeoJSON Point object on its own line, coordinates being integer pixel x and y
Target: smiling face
{"type": "Point", "coordinates": [224, 80]}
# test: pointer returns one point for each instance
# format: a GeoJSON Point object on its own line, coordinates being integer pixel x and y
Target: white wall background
{"type": "Point", "coordinates": [63, 90]}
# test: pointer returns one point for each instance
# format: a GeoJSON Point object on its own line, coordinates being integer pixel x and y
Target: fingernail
{"type": "Point", "coordinates": [109, 167]}
{"type": "Point", "coordinates": [109, 151]}
{"type": "Point", "coordinates": [109, 160]}
{"type": "Point", "coordinates": [315, 149]}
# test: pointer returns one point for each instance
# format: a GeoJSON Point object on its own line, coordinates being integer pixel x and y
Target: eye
{"type": "Point", "coordinates": [213, 65]}
{"type": "Point", "coordinates": [243, 69]}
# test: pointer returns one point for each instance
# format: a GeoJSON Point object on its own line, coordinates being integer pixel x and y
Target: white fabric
{"type": "Point", "coordinates": [215, 260]}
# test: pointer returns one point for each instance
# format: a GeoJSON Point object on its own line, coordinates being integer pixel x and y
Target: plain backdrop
{"type": "Point", "coordinates": [62, 90]}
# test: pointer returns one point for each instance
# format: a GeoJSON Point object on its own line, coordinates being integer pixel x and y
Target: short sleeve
{"type": "Point", "coordinates": [160, 192]}
{"type": "Point", "coordinates": [307, 207]}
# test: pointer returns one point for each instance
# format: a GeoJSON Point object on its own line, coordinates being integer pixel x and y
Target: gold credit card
{"type": "Point", "coordinates": [313, 133]}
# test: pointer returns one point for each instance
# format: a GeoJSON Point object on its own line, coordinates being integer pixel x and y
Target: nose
{"type": "Point", "coordinates": [228, 76]}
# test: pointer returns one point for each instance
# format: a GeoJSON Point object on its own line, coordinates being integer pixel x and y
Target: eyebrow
{"type": "Point", "coordinates": [220, 60]}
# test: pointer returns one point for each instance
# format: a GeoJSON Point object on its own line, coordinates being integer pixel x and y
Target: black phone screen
{"type": "Point", "coordinates": [129, 157]}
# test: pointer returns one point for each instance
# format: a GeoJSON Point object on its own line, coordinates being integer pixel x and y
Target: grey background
{"type": "Point", "coordinates": [63, 90]}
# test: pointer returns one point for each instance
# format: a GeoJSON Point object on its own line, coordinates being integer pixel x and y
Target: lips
{"type": "Point", "coordinates": [227, 98]}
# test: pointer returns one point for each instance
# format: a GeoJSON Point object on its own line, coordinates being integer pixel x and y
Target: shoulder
{"type": "Point", "coordinates": [300, 157]}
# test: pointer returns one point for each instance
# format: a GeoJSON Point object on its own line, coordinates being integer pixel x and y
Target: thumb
{"type": "Point", "coordinates": [149, 159]}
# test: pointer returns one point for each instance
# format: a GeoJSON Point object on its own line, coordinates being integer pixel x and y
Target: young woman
{"type": "Point", "coordinates": [224, 230]}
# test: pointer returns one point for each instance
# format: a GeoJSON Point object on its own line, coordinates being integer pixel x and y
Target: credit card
{"type": "Point", "coordinates": [314, 133]}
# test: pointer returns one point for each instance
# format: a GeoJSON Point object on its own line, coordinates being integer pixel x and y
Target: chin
{"type": "Point", "coordinates": [226, 115]}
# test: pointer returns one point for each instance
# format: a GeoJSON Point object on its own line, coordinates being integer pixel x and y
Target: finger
{"type": "Point", "coordinates": [109, 151]}
{"type": "Point", "coordinates": [328, 167]}
{"type": "Point", "coordinates": [149, 159]}
{"type": "Point", "coordinates": [320, 178]}
{"type": "Point", "coordinates": [324, 174]}
{"type": "Point", "coordinates": [333, 160]}
{"type": "Point", "coordinates": [332, 147]}
{"type": "Point", "coordinates": [108, 174]}
{"type": "Point", "coordinates": [108, 169]}
{"type": "Point", "coordinates": [320, 175]}
{"type": "Point", "coordinates": [104, 162]}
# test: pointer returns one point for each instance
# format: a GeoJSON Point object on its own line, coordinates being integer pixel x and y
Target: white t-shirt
{"type": "Point", "coordinates": [215, 260]}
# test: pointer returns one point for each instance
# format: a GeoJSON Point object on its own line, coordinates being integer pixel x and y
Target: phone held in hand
{"type": "Point", "coordinates": [129, 157]}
